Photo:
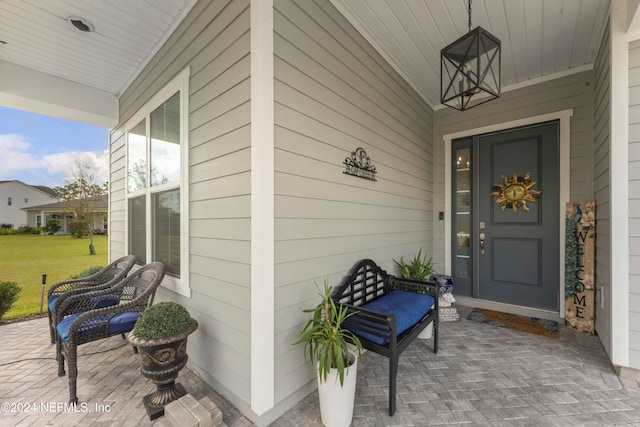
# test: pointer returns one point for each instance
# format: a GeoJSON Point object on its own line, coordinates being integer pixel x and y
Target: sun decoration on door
{"type": "Point", "coordinates": [516, 192]}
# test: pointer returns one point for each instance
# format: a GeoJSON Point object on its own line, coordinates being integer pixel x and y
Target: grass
{"type": "Point", "coordinates": [25, 258]}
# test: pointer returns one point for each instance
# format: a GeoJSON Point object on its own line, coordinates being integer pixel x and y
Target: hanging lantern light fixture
{"type": "Point", "coordinates": [470, 69]}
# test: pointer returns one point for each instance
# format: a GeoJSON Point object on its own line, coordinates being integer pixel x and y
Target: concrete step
{"type": "Point", "coordinates": [188, 412]}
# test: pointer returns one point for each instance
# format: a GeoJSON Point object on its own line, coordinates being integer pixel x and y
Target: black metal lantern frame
{"type": "Point", "coordinates": [470, 70]}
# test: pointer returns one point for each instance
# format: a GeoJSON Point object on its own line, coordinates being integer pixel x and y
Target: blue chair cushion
{"type": "Point", "coordinates": [99, 302]}
{"type": "Point", "coordinates": [408, 307]}
{"type": "Point", "coordinates": [52, 302]}
{"type": "Point", "coordinates": [118, 323]}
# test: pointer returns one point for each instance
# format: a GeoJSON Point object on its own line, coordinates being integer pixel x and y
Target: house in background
{"type": "Point", "coordinates": [227, 151]}
{"type": "Point", "coordinates": [39, 216]}
{"type": "Point", "coordinates": [15, 196]}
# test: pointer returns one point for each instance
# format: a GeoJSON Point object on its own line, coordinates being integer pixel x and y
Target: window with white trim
{"type": "Point", "coordinates": [157, 150]}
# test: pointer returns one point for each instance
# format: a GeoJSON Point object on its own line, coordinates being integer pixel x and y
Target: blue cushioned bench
{"type": "Point", "coordinates": [390, 312]}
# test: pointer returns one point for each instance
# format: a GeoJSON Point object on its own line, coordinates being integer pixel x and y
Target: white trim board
{"type": "Point", "coordinates": [262, 208]}
{"type": "Point", "coordinates": [564, 118]}
{"type": "Point", "coordinates": [619, 185]}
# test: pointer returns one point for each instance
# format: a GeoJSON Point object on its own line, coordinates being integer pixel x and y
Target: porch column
{"type": "Point", "coordinates": [262, 208]}
{"type": "Point", "coordinates": [619, 183]}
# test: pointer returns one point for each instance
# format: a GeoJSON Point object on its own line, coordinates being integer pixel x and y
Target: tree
{"type": "Point", "coordinates": [53, 225]}
{"type": "Point", "coordinates": [81, 197]}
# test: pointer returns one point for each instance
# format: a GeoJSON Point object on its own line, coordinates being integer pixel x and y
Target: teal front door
{"type": "Point", "coordinates": [511, 240]}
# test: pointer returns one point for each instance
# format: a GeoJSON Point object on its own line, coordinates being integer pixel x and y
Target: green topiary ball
{"type": "Point", "coordinates": [89, 271]}
{"type": "Point", "coordinates": [161, 320]}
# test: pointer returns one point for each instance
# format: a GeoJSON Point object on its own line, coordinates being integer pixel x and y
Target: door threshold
{"type": "Point", "coordinates": [508, 308]}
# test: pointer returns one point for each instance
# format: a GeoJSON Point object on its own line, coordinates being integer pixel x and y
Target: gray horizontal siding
{"type": "Point", "coordinates": [214, 41]}
{"type": "Point", "coordinates": [333, 94]}
{"type": "Point", "coordinates": [634, 202]}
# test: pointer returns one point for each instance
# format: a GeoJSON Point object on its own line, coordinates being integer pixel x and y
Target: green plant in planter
{"type": "Point", "coordinates": [89, 271]}
{"type": "Point", "coordinates": [420, 267]}
{"type": "Point", "coordinates": [161, 320]}
{"type": "Point", "coordinates": [325, 339]}
{"type": "Point", "coordinates": [160, 335]}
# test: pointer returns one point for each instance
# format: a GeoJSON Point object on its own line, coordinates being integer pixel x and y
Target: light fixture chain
{"type": "Point", "coordinates": [469, 15]}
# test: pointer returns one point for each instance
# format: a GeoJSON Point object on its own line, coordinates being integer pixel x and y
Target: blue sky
{"type": "Point", "coordinates": [38, 149]}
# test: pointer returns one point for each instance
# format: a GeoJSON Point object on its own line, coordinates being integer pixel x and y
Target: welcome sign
{"type": "Point", "coordinates": [580, 247]}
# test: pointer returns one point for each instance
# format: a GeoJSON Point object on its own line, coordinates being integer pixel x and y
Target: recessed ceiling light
{"type": "Point", "coordinates": [82, 24]}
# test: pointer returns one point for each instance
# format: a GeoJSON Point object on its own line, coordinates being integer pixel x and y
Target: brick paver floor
{"type": "Point", "coordinates": [110, 385]}
{"type": "Point", "coordinates": [485, 375]}
{"type": "Point", "coordinates": [482, 376]}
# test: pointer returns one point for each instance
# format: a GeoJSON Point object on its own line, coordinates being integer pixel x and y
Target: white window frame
{"type": "Point", "coordinates": [180, 83]}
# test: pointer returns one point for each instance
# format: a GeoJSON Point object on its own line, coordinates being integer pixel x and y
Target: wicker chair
{"type": "Point", "coordinates": [113, 273]}
{"type": "Point", "coordinates": [133, 295]}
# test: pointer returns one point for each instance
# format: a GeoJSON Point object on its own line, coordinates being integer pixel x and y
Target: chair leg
{"type": "Point", "coordinates": [60, 358]}
{"type": "Point", "coordinates": [435, 337]}
{"type": "Point", "coordinates": [72, 363]}
{"type": "Point", "coordinates": [58, 345]}
{"type": "Point", "coordinates": [51, 329]}
{"type": "Point", "coordinates": [393, 372]}
{"type": "Point", "coordinates": [73, 398]}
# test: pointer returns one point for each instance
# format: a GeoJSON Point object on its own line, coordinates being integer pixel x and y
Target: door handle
{"type": "Point", "coordinates": [482, 238]}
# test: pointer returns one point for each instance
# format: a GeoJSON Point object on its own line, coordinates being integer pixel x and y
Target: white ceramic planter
{"type": "Point", "coordinates": [427, 333]}
{"type": "Point", "coordinates": [336, 402]}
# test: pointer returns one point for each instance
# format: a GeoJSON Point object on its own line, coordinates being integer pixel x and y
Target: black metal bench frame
{"type": "Point", "coordinates": [366, 283]}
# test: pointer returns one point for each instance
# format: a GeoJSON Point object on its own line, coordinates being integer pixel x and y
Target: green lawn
{"type": "Point", "coordinates": [25, 258]}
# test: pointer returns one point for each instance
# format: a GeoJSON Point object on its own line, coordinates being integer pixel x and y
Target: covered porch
{"type": "Point", "coordinates": [482, 375]}
{"type": "Point", "coordinates": [268, 97]}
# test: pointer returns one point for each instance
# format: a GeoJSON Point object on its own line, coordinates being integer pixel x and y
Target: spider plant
{"type": "Point", "coordinates": [420, 267]}
{"type": "Point", "coordinates": [325, 339]}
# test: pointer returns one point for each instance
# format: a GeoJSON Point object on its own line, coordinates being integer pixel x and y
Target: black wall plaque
{"type": "Point", "coordinates": [359, 164]}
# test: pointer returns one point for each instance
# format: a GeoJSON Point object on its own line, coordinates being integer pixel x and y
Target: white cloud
{"type": "Point", "coordinates": [15, 155]}
{"type": "Point", "coordinates": [61, 163]}
{"type": "Point", "coordinates": [20, 160]}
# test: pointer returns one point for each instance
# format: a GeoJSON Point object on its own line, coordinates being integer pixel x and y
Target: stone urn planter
{"type": "Point", "coordinates": [163, 351]}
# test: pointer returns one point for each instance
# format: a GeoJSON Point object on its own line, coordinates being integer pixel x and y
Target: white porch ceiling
{"type": "Point", "coordinates": [37, 35]}
{"type": "Point", "coordinates": [541, 39]}
{"type": "Point", "coordinates": [48, 66]}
